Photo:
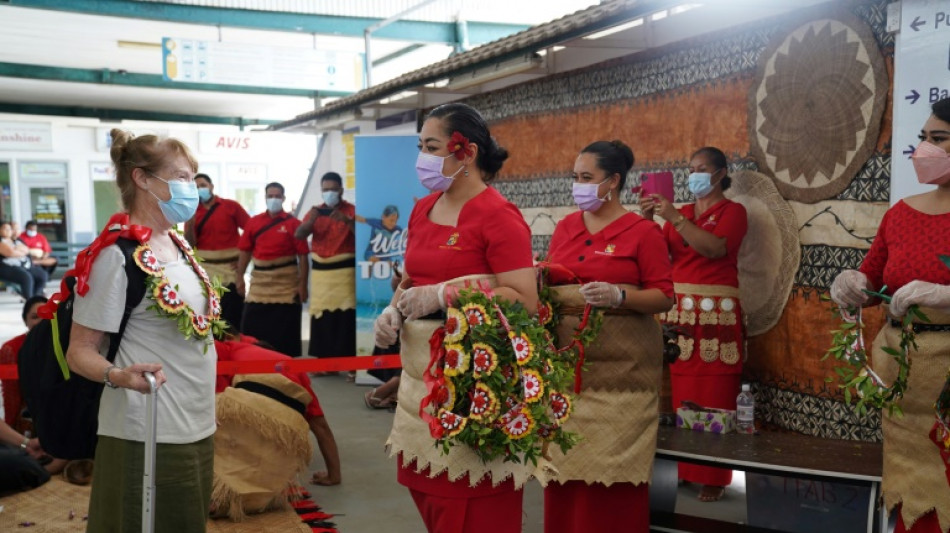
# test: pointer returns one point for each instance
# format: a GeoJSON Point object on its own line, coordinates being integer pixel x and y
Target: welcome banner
{"type": "Point", "coordinates": [386, 189]}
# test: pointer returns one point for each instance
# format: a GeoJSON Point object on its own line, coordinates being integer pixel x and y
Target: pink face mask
{"type": "Point", "coordinates": [585, 196]}
{"type": "Point", "coordinates": [931, 163]}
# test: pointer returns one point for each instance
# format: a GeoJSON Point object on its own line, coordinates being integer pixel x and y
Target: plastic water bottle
{"type": "Point", "coordinates": [745, 411]}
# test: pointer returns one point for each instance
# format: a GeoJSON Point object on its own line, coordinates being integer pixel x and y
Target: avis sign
{"type": "Point", "coordinates": [229, 142]}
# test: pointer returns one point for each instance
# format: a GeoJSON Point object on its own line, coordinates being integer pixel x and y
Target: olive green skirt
{"type": "Point", "coordinates": [183, 477]}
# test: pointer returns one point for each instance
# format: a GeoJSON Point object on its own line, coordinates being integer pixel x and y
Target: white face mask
{"type": "Point", "coordinates": [31, 233]}
{"type": "Point", "coordinates": [275, 205]}
{"type": "Point", "coordinates": [331, 198]}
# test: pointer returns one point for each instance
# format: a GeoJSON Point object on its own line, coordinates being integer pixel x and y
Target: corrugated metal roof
{"type": "Point", "coordinates": [594, 18]}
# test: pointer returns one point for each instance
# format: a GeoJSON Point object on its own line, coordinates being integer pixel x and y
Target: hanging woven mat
{"type": "Point", "coordinates": [770, 252]}
{"type": "Point", "coordinates": [816, 105]}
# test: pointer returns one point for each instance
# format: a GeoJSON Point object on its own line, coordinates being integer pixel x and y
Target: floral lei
{"type": "Point", "coordinates": [496, 383]}
{"type": "Point", "coordinates": [167, 300]}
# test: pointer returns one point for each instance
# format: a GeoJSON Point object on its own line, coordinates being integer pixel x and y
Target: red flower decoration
{"type": "Point", "coordinates": [460, 146]}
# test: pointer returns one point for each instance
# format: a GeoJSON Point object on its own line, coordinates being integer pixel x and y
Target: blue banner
{"type": "Point", "coordinates": [386, 189]}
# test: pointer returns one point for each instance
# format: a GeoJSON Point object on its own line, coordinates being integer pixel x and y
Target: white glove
{"type": "Point", "coordinates": [601, 294]}
{"type": "Point", "coordinates": [386, 327]}
{"type": "Point", "coordinates": [847, 289]}
{"type": "Point", "coordinates": [922, 293]}
{"type": "Point", "coordinates": [417, 302]}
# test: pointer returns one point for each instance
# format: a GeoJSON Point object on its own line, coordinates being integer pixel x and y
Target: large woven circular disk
{"type": "Point", "coordinates": [816, 105]}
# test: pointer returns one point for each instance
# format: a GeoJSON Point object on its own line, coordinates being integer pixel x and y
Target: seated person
{"type": "Point", "coordinates": [16, 266]}
{"type": "Point", "coordinates": [19, 466]}
{"type": "Point", "coordinates": [247, 348]}
{"type": "Point", "coordinates": [13, 405]}
{"type": "Point", "coordinates": [12, 400]}
{"type": "Point", "coordinates": [39, 247]}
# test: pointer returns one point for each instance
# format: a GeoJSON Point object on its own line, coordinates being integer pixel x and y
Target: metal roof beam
{"type": "Point", "coordinates": [153, 81]}
{"type": "Point", "coordinates": [128, 114]}
{"type": "Point", "coordinates": [397, 54]}
{"type": "Point", "coordinates": [403, 30]}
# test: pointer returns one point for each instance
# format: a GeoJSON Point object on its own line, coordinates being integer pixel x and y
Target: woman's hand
{"type": "Point", "coordinates": [664, 208]}
{"type": "Point", "coordinates": [847, 290]}
{"type": "Point", "coordinates": [133, 377]}
{"type": "Point", "coordinates": [647, 206]}
{"type": "Point", "coordinates": [601, 294]}
{"type": "Point", "coordinates": [920, 293]}
{"type": "Point", "coordinates": [417, 302]}
{"type": "Point", "coordinates": [386, 327]}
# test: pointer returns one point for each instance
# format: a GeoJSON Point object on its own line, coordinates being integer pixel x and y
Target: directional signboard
{"type": "Point", "coordinates": [194, 61]}
{"type": "Point", "coordinates": [921, 77]}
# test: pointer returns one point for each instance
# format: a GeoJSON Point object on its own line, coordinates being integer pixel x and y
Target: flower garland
{"type": "Point", "coordinates": [848, 346]}
{"type": "Point", "coordinates": [496, 382]}
{"type": "Point", "coordinates": [550, 316]}
{"type": "Point", "coordinates": [940, 434]}
{"type": "Point", "coordinates": [168, 301]}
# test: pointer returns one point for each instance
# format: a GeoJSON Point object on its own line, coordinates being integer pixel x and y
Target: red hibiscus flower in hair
{"type": "Point", "coordinates": [460, 146]}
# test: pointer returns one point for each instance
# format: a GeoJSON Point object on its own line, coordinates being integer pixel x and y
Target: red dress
{"type": "Point", "coordinates": [220, 230]}
{"type": "Point", "coordinates": [709, 369]}
{"type": "Point", "coordinates": [907, 248]}
{"type": "Point", "coordinates": [490, 237]}
{"type": "Point", "coordinates": [625, 251]}
{"type": "Point", "coordinates": [12, 400]}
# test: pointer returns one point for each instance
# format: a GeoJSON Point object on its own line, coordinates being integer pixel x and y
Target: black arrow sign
{"type": "Point", "coordinates": [909, 151]}
{"type": "Point", "coordinates": [917, 23]}
{"type": "Point", "coordinates": [913, 97]}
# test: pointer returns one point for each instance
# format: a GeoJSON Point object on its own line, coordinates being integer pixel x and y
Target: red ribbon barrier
{"type": "Point", "coordinates": [332, 364]}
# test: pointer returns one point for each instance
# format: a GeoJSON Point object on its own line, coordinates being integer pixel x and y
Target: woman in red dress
{"type": "Point", "coordinates": [464, 228]}
{"type": "Point", "coordinates": [905, 258]}
{"type": "Point", "coordinates": [617, 262]}
{"type": "Point", "coordinates": [704, 240]}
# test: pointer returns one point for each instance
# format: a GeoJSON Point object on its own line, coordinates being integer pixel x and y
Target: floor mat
{"type": "Point", "coordinates": [59, 506]}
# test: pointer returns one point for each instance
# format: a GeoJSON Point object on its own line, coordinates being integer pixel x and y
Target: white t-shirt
{"type": "Point", "coordinates": [186, 400]}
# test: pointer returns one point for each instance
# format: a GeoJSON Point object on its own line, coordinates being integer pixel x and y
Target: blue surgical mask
{"type": "Point", "coordinates": [700, 184]}
{"type": "Point", "coordinates": [181, 206]}
{"type": "Point", "coordinates": [204, 194]}
{"type": "Point", "coordinates": [331, 198]}
{"type": "Point", "coordinates": [275, 205]}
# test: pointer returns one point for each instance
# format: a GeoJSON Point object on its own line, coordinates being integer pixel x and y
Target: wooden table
{"type": "Point", "coordinates": [774, 453]}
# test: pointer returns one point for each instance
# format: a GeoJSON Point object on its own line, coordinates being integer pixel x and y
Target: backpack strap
{"type": "Point", "coordinates": [204, 220]}
{"type": "Point", "coordinates": [134, 292]}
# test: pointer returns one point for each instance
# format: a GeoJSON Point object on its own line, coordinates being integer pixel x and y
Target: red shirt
{"type": "Point", "coordinates": [490, 237]}
{"type": "Point", "coordinates": [12, 400]}
{"type": "Point", "coordinates": [725, 219]}
{"type": "Point", "coordinates": [628, 250]}
{"type": "Point", "coordinates": [332, 237]}
{"type": "Point", "coordinates": [906, 249]}
{"type": "Point", "coordinates": [38, 241]}
{"type": "Point", "coordinates": [220, 231]}
{"type": "Point", "coordinates": [277, 241]}
{"type": "Point", "coordinates": [245, 350]}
